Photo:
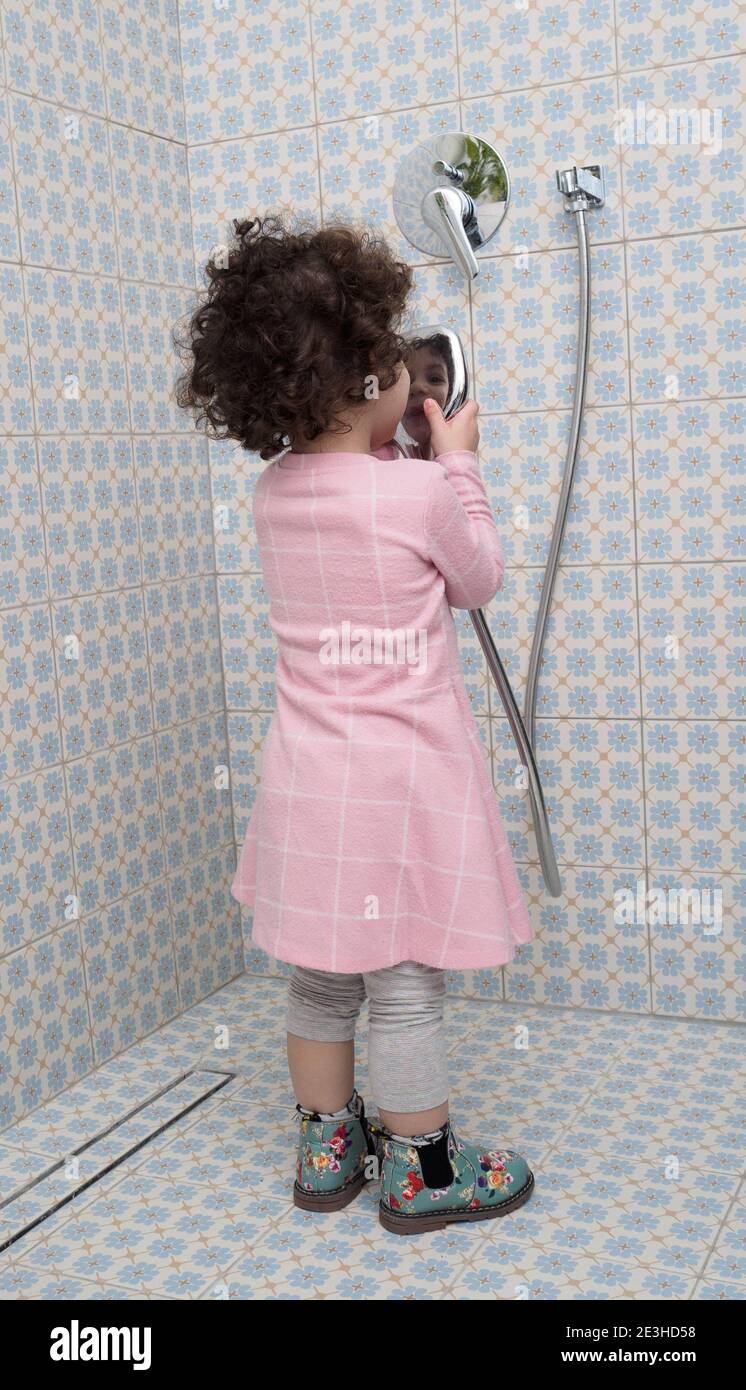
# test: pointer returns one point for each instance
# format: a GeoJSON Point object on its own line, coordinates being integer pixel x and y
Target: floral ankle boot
{"type": "Point", "coordinates": [332, 1163]}
{"type": "Point", "coordinates": [430, 1180]}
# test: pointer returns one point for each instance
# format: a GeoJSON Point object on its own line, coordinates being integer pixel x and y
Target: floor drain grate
{"type": "Point", "coordinates": [205, 1081]}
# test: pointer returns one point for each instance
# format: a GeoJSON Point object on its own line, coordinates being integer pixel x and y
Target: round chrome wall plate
{"type": "Point", "coordinates": [456, 160]}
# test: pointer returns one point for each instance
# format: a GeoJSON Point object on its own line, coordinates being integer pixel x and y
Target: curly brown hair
{"type": "Point", "coordinates": [292, 325]}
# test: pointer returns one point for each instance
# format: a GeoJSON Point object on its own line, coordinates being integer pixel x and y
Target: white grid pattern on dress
{"type": "Point", "coordinates": [326, 576]}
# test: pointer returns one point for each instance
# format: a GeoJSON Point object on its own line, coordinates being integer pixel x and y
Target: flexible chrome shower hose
{"type": "Point", "coordinates": [550, 573]}
{"type": "Point", "coordinates": [524, 729]}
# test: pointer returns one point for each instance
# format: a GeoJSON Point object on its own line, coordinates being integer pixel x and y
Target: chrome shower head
{"type": "Point", "coordinates": [438, 339]}
{"type": "Point", "coordinates": [437, 359]}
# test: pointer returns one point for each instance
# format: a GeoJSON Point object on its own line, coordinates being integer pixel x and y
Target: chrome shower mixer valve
{"type": "Point", "coordinates": [450, 196]}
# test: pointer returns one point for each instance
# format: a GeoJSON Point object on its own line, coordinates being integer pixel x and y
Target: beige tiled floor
{"type": "Point", "coordinates": [634, 1128]}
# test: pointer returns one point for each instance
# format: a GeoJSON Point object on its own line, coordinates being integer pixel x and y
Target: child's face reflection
{"type": "Point", "coordinates": [428, 377]}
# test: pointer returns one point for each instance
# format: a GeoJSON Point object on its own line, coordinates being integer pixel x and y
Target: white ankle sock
{"type": "Point", "coordinates": [348, 1109]}
{"type": "Point", "coordinates": [426, 1138]}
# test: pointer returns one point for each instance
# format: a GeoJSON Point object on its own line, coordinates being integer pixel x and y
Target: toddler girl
{"type": "Point", "coordinates": [375, 858]}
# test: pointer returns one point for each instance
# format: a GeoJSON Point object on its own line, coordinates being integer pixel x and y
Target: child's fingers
{"type": "Point", "coordinates": [467, 411]}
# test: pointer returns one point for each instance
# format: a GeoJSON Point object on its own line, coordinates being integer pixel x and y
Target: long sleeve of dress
{"type": "Point", "coordinates": [460, 532]}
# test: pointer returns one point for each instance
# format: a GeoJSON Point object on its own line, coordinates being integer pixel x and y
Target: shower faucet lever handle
{"type": "Point", "coordinates": [451, 213]}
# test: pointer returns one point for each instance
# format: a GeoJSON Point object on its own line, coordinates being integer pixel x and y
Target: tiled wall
{"type": "Point", "coordinates": [133, 607]}
{"type": "Point", "coordinates": [643, 694]}
{"type": "Point", "coordinates": [117, 835]}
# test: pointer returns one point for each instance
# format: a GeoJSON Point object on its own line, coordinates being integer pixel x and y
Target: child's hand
{"type": "Point", "coordinates": [460, 432]}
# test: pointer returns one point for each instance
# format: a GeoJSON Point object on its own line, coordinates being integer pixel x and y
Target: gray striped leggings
{"type": "Point", "coordinates": [407, 1051]}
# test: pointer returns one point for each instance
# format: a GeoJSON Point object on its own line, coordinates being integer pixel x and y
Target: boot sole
{"type": "Point", "coordinates": [328, 1201]}
{"type": "Point", "coordinates": [413, 1225]}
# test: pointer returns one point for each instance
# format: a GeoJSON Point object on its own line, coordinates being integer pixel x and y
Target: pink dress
{"type": "Point", "coordinates": [375, 835]}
